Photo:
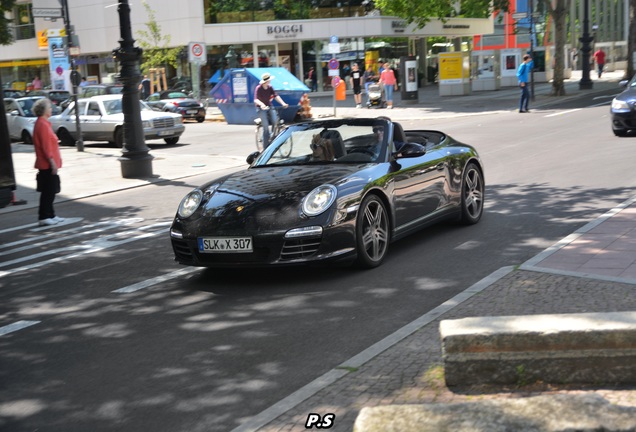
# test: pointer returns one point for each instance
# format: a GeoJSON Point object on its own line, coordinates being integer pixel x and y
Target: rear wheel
{"type": "Point", "coordinates": [372, 232]}
{"type": "Point", "coordinates": [26, 137]}
{"type": "Point", "coordinates": [65, 137]}
{"type": "Point", "coordinates": [200, 119]}
{"type": "Point", "coordinates": [171, 141]}
{"type": "Point", "coordinates": [472, 195]}
{"type": "Point", "coordinates": [119, 137]}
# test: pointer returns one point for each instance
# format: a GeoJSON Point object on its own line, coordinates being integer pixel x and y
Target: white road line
{"type": "Point", "coordinates": [18, 325]}
{"type": "Point", "coordinates": [65, 235]}
{"type": "Point", "coordinates": [100, 245]}
{"type": "Point", "coordinates": [35, 227]}
{"type": "Point", "coordinates": [157, 280]}
{"type": "Point", "coordinates": [563, 112]}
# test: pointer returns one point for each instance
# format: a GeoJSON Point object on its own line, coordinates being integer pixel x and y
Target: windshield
{"type": "Point", "coordinates": [327, 143]}
{"type": "Point", "coordinates": [113, 106]}
{"type": "Point", "coordinates": [27, 105]}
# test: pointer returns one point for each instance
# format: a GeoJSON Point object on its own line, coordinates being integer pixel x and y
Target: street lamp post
{"type": "Point", "coordinates": [586, 83]}
{"type": "Point", "coordinates": [136, 161]}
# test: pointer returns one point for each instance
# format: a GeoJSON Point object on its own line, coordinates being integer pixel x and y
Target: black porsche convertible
{"type": "Point", "coordinates": [331, 190]}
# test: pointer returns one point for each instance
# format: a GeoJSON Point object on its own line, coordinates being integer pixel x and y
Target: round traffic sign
{"type": "Point", "coordinates": [334, 63]}
{"type": "Point", "coordinates": [197, 50]}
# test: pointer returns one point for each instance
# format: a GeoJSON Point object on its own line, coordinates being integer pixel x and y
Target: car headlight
{"type": "Point", "coordinates": [178, 120]}
{"type": "Point", "coordinates": [619, 105]}
{"type": "Point", "coordinates": [319, 200]}
{"type": "Point", "coordinates": [190, 203]}
{"type": "Point", "coordinates": [146, 124]}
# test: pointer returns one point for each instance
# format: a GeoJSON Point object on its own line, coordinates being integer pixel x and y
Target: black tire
{"type": "Point", "coordinates": [171, 141]}
{"type": "Point", "coordinates": [373, 232]}
{"type": "Point", "coordinates": [473, 189]}
{"type": "Point", "coordinates": [26, 137]}
{"type": "Point", "coordinates": [119, 137]}
{"type": "Point", "coordinates": [65, 137]}
{"type": "Point", "coordinates": [200, 119]}
{"type": "Point", "coordinates": [619, 132]}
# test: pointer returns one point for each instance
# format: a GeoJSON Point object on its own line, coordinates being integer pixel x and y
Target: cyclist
{"type": "Point", "coordinates": [263, 98]}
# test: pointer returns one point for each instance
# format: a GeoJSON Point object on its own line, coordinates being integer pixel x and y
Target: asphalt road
{"type": "Point", "coordinates": [125, 339]}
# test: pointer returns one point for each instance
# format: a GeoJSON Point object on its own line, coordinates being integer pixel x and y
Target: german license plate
{"type": "Point", "coordinates": [225, 244]}
{"type": "Point", "coordinates": [192, 111]}
{"type": "Point", "coordinates": [164, 133]}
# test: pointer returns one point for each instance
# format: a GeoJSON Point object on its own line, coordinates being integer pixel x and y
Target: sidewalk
{"type": "Point", "coordinates": [592, 270]}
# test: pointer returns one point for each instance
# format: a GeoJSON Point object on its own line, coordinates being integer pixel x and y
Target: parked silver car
{"type": "Point", "coordinates": [102, 119]}
{"type": "Point", "coordinates": [20, 118]}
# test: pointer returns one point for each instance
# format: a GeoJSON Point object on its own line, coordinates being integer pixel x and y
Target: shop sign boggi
{"type": "Point", "coordinates": [284, 31]}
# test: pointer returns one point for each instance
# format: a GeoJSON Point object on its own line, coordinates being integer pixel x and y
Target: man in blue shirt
{"type": "Point", "coordinates": [522, 75]}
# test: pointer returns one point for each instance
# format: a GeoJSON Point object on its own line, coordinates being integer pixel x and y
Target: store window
{"type": "Point", "coordinates": [232, 11]}
{"type": "Point", "coordinates": [23, 22]}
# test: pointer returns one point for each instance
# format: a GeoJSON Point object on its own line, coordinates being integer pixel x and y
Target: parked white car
{"type": "Point", "coordinates": [102, 119]}
{"type": "Point", "coordinates": [20, 118]}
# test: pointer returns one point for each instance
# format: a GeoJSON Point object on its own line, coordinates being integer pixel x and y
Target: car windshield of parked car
{"type": "Point", "coordinates": [327, 144]}
{"type": "Point", "coordinates": [113, 106]}
{"type": "Point", "coordinates": [173, 95]}
{"type": "Point", "coordinates": [26, 105]}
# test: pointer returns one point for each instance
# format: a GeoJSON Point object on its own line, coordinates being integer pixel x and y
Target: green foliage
{"type": "Point", "coordinates": [6, 35]}
{"type": "Point", "coordinates": [420, 12]}
{"type": "Point", "coordinates": [156, 47]}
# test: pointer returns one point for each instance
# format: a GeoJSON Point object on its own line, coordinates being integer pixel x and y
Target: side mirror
{"type": "Point", "coordinates": [252, 157]}
{"type": "Point", "coordinates": [623, 83]}
{"type": "Point", "coordinates": [15, 113]}
{"type": "Point", "coordinates": [410, 150]}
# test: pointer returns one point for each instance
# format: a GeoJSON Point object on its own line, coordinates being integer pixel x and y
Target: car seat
{"type": "Point", "coordinates": [336, 141]}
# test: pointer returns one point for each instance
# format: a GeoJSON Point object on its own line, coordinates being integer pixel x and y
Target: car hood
{"type": "Point", "coordinates": [270, 197]}
{"type": "Point", "coordinates": [628, 95]}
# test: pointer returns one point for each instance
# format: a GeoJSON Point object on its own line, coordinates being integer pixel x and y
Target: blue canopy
{"type": "Point", "coordinates": [234, 93]}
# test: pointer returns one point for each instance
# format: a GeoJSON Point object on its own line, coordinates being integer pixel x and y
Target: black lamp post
{"type": "Point", "coordinates": [136, 161]}
{"type": "Point", "coordinates": [586, 83]}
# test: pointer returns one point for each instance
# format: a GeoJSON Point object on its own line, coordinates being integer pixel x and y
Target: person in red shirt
{"type": "Point", "coordinates": [47, 161]}
{"type": "Point", "coordinates": [599, 57]}
{"type": "Point", "coordinates": [389, 83]}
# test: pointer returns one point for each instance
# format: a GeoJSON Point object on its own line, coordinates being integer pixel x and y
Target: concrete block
{"type": "Point", "coordinates": [588, 348]}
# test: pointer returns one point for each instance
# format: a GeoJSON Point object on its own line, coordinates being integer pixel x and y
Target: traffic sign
{"type": "Point", "coordinates": [334, 64]}
{"type": "Point", "coordinates": [46, 13]}
{"type": "Point", "coordinates": [197, 52]}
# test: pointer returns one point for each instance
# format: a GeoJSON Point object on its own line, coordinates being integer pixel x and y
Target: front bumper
{"type": "Point", "coordinates": [169, 132]}
{"type": "Point", "coordinates": [623, 120]}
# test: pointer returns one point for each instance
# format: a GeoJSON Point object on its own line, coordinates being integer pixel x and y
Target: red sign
{"type": "Point", "coordinates": [334, 64]}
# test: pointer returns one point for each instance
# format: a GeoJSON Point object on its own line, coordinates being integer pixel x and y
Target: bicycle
{"type": "Point", "coordinates": [275, 130]}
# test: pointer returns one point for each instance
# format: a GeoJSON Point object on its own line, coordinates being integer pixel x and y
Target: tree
{"type": "Point", "coordinates": [631, 40]}
{"type": "Point", "coordinates": [422, 11]}
{"type": "Point", "coordinates": [559, 13]}
{"type": "Point", "coordinates": [156, 47]}
{"type": "Point", "coordinates": [6, 35]}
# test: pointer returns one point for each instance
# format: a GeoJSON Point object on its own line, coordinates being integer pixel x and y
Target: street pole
{"type": "Point", "coordinates": [79, 143]}
{"type": "Point", "coordinates": [532, 49]}
{"type": "Point", "coordinates": [136, 160]}
{"type": "Point", "coordinates": [586, 83]}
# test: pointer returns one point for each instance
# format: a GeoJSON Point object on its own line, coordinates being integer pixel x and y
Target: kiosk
{"type": "Point", "coordinates": [510, 61]}
{"type": "Point", "coordinates": [454, 74]}
{"type": "Point", "coordinates": [485, 70]}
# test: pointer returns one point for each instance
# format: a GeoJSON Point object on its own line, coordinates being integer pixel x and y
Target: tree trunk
{"type": "Point", "coordinates": [631, 40]}
{"type": "Point", "coordinates": [559, 14]}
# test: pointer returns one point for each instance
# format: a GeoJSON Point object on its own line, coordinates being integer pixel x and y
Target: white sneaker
{"type": "Point", "coordinates": [58, 219]}
{"type": "Point", "coordinates": [47, 222]}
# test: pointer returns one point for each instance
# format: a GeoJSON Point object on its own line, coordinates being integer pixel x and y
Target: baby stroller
{"type": "Point", "coordinates": [376, 96]}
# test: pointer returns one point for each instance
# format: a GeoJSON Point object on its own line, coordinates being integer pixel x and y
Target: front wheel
{"type": "Point", "coordinates": [473, 189]}
{"type": "Point", "coordinates": [200, 119]}
{"type": "Point", "coordinates": [171, 141]}
{"type": "Point", "coordinates": [619, 132]}
{"type": "Point", "coordinates": [372, 232]}
{"type": "Point", "coordinates": [259, 137]}
{"type": "Point", "coordinates": [119, 137]}
{"type": "Point", "coordinates": [26, 137]}
{"type": "Point", "coordinates": [66, 138]}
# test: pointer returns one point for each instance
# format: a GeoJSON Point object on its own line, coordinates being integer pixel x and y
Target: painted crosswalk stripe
{"type": "Point", "coordinates": [18, 325]}
{"type": "Point", "coordinates": [157, 280]}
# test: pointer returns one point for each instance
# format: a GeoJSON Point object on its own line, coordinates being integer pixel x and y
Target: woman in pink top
{"type": "Point", "coordinates": [387, 78]}
{"type": "Point", "coordinates": [47, 160]}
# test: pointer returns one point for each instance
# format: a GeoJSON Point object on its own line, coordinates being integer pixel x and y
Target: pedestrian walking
{"type": "Point", "coordinates": [264, 96]}
{"type": "Point", "coordinates": [145, 87]}
{"type": "Point", "coordinates": [36, 84]}
{"type": "Point", "coordinates": [47, 161]}
{"type": "Point", "coordinates": [522, 75]}
{"type": "Point", "coordinates": [389, 83]}
{"type": "Point", "coordinates": [355, 80]}
{"type": "Point", "coordinates": [599, 58]}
